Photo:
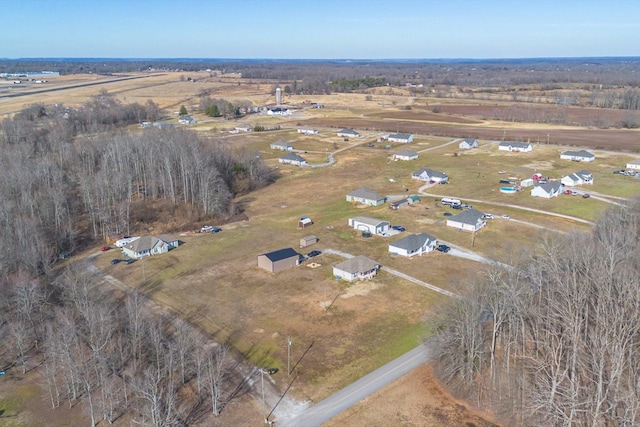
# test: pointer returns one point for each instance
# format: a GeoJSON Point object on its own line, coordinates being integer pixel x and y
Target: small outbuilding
{"type": "Point", "coordinates": [279, 260]}
{"type": "Point", "coordinates": [304, 221]}
{"type": "Point", "coordinates": [308, 241]}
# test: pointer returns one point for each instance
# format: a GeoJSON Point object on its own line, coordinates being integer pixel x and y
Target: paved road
{"type": "Point", "coordinates": [355, 392]}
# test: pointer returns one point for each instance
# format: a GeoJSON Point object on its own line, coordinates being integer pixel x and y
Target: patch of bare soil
{"type": "Point", "coordinates": [399, 404]}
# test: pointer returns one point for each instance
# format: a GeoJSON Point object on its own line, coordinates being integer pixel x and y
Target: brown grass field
{"type": "Point", "coordinates": [214, 280]}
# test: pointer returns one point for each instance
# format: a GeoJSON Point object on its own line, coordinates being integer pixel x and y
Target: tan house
{"type": "Point", "coordinates": [278, 260]}
{"type": "Point", "coordinates": [357, 268]}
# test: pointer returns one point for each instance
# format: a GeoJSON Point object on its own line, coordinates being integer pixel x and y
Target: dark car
{"type": "Point", "coordinates": [130, 261]}
{"type": "Point", "coordinates": [215, 229]}
{"type": "Point", "coordinates": [398, 227]}
{"type": "Point", "coordinates": [456, 207]}
{"type": "Point", "coordinates": [115, 261]}
{"type": "Point", "coordinates": [586, 195]}
{"type": "Point", "coordinates": [443, 248]}
{"type": "Point", "coordinates": [313, 253]}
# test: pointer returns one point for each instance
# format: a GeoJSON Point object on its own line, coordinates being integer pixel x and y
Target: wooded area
{"type": "Point", "coordinates": [556, 339]}
{"type": "Point", "coordinates": [70, 176]}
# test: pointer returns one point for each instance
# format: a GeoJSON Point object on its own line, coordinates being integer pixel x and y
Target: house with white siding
{"type": "Point", "coordinates": [372, 225]}
{"type": "Point", "coordinates": [405, 155]}
{"type": "Point", "coordinates": [357, 268]}
{"type": "Point", "coordinates": [582, 177]}
{"type": "Point", "coordinates": [366, 196]}
{"type": "Point", "coordinates": [468, 220]}
{"type": "Point", "coordinates": [427, 175]}
{"type": "Point", "coordinates": [348, 133]}
{"type": "Point", "coordinates": [292, 159]}
{"type": "Point", "coordinates": [547, 190]}
{"type": "Point", "coordinates": [523, 147]}
{"type": "Point", "coordinates": [405, 138]}
{"type": "Point", "coordinates": [468, 144]}
{"type": "Point", "coordinates": [578, 156]}
{"type": "Point", "coordinates": [413, 244]}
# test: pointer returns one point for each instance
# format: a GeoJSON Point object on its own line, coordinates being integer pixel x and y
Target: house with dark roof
{"type": "Point", "coordinates": [547, 190]}
{"type": "Point", "coordinates": [366, 196]}
{"type": "Point", "coordinates": [468, 144]}
{"type": "Point", "coordinates": [582, 177]}
{"type": "Point", "coordinates": [279, 260]}
{"type": "Point", "coordinates": [578, 156]}
{"type": "Point", "coordinates": [372, 225]}
{"type": "Point", "coordinates": [404, 202]}
{"type": "Point", "coordinates": [281, 145]}
{"type": "Point", "coordinates": [278, 111]}
{"type": "Point", "coordinates": [357, 268]}
{"type": "Point", "coordinates": [348, 133]}
{"type": "Point", "coordinates": [292, 159]}
{"type": "Point", "coordinates": [150, 245]}
{"type": "Point", "coordinates": [413, 244]}
{"type": "Point", "coordinates": [523, 147]}
{"type": "Point", "coordinates": [468, 220]}
{"type": "Point", "coordinates": [427, 175]}
{"type": "Point", "coordinates": [400, 137]}
{"type": "Point", "coordinates": [405, 155]}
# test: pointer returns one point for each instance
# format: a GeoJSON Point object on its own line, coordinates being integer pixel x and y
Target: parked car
{"type": "Point", "coordinates": [459, 207]}
{"type": "Point", "coordinates": [130, 261]}
{"type": "Point", "coordinates": [487, 216]}
{"type": "Point", "coordinates": [568, 191]}
{"type": "Point", "coordinates": [574, 193]}
{"type": "Point", "coordinates": [505, 216]}
{"type": "Point", "coordinates": [215, 230]}
{"type": "Point", "coordinates": [443, 248]}
{"type": "Point", "coordinates": [313, 253]}
{"type": "Point", "coordinates": [398, 228]}
{"type": "Point", "coordinates": [206, 228]}
{"type": "Point", "coordinates": [115, 261]}
{"type": "Point", "coordinates": [105, 248]}
{"type": "Point", "coordinates": [586, 195]}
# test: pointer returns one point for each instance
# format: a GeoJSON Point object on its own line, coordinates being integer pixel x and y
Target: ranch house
{"type": "Point", "coordinates": [579, 178]}
{"type": "Point", "coordinates": [578, 156]}
{"type": "Point", "coordinates": [469, 220]}
{"type": "Point", "coordinates": [400, 137]}
{"type": "Point", "coordinates": [547, 190]}
{"type": "Point", "coordinates": [523, 147]}
{"type": "Point", "coordinates": [357, 268]}
{"type": "Point", "coordinates": [366, 196]}
{"type": "Point", "coordinates": [348, 133]}
{"type": "Point", "coordinates": [413, 244]}
{"type": "Point", "coordinates": [292, 159]}
{"type": "Point", "coordinates": [150, 245]}
{"type": "Point", "coordinates": [427, 175]}
{"type": "Point", "coordinates": [468, 144]}
{"type": "Point", "coordinates": [281, 145]}
{"type": "Point", "coordinates": [405, 155]}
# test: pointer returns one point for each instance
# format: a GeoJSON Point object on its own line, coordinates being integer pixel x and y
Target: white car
{"type": "Point", "coordinates": [487, 216]}
{"type": "Point", "coordinates": [505, 216]}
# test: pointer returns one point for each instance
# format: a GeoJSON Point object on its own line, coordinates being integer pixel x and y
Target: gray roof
{"type": "Point", "coordinates": [469, 216]}
{"type": "Point", "coordinates": [581, 153]}
{"type": "Point", "coordinates": [357, 264]}
{"type": "Point", "coordinates": [167, 238]}
{"type": "Point", "coordinates": [413, 241]}
{"type": "Point", "coordinates": [430, 172]}
{"type": "Point", "coordinates": [293, 157]}
{"type": "Point", "coordinates": [369, 221]}
{"type": "Point", "coordinates": [407, 153]}
{"type": "Point", "coordinates": [281, 144]}
{"type": "Point", "coordinates": [400, 135]}
{"type": "Point", "coordinates": [551, 187]}
{"type": "Point", "coordinates": [514, 144]}
{"type": "Point", "coordinates": [366, 193]}
{"type": "Point", "coordinates": [584, 174]}
{"type": "Point", "coordinates": [144, 243]}
{"type": "Point", "coordinates": [349, 131]}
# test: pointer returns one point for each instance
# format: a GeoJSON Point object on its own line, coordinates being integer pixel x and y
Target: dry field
{"type": "Point", "coordinates": [214, 280]}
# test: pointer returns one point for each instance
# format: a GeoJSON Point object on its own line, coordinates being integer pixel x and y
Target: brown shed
{"type": "Point", "coordinates": [278, 260]}
{"type": "Point", "coordinates": [308, 241]}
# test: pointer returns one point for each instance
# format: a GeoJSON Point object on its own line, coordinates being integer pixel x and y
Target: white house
{"type": "Point", "coordinates": [357, 268]}
{"type": "Point", "coordinates": [308, 131]}
{"type": "Point", "coordinates": [279, 112]}
{"type": "Point", "coordinates": [468, 144]}
{"type": "Point", "coordinates": [366, 196]}
{"type": "Point", "coordinates": [523, 147]}
{"type": "Point", "coordinates": [547, 190]}
{"type": "Point", "coordinates": [578, 156]}
{"type": "Point", "coordinates": [426, 175]}
{"type": "Point", "coordinates": [468, 220]}
{"type": "Point", "coordinates": [243, 129]}
{"type": "Point", "coordinates": [579, 178]}
{"type": "Point", "coordinates": [187, 120]}
{"type": "Point", "coordinates": [413, 244]}
{"type": "Point", "coordinates": [405, 155]}
{"type": "Point", "coordinates": [281, 145]}
{"type": "Point", "coordinates": [150, 245]}
{"type": "Point", "coordinates": [634, 164]}
{"type": "Point", "coordinates": [348, 133]}
{"type": "Point", "coordinates": [372, 225]}
{"type": "Point", "coordinates": [400, 137]}
{"type": "Point", "coordinates": [292, 159]}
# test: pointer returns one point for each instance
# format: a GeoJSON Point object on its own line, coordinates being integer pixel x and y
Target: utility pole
{"type": "Point", "coordinates": [288, 355]}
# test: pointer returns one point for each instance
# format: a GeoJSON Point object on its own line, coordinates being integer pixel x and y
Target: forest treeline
{"type": "Point", "coordinates": [109, 353]}
{"type": "Point", "coordinates": [64, 169]}
{"type": "Point", "coordinates": [554, 341]}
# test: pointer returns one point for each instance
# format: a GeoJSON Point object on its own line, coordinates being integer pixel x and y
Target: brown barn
{"type": "Point", "coordinates": [278, 260]}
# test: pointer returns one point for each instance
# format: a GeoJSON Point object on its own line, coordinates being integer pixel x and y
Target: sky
{"type": "Point", "coordinates": [319, 29]}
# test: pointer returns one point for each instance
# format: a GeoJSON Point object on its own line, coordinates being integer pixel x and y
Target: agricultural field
{"type": "Point", "coordinates": [346, 330]}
